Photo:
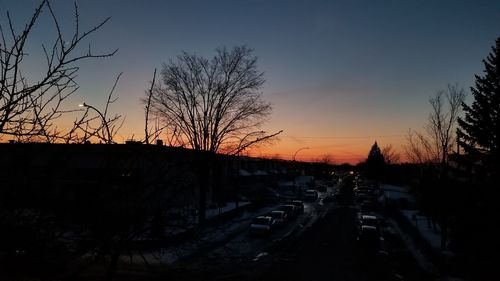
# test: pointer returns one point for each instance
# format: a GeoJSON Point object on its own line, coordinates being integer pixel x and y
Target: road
{"type": "Point", "coordinates": [234, 244]}
{"type": "Point", "coordinates": [326, 250]}
{"type": "Point", "coordinates": [329, 251]}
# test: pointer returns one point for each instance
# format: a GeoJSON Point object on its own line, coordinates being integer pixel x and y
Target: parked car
{"type": "Point", "coordinates": [280, 217]}
{"type": "Point", "coordinates": [262, 225]}
{"type": "Point", "coordinates": [299, 204]}
{"type": "Point", "coordinates": [369, 220]}
{"type": "Point", "coordinates": [290, 210]}
{"type": "Point", "coordinates": [367, 206]}
{"type": "Point", "coordinates": [311, 195]}
{"type": "Point", "coordinates": [369, 238]}
{"type": "Point", "coordinates": [362, 196]}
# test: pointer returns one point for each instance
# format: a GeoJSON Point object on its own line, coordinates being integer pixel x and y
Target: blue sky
{"type": "Point", "coordinates": [339, 73]}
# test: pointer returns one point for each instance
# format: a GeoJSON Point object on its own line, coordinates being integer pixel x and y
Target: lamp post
{"type": "Point", "coordinates": [104, 122]}
{"type": "Point", "coordinates": [300, 149]}
{"type": "Point", "coordinates": [296, 167]}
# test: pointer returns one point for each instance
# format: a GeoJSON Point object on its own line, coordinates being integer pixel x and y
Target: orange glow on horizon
{"type": "Point", "coordinates": [344, 147]}
{"type": "Point", "coordinates": [352, 150]}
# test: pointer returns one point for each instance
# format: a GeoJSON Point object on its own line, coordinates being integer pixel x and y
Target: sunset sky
{"type": "Point", "coordinates": [340, 74]}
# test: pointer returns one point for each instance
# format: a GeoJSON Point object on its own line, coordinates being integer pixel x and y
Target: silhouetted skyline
{"type": "Point", "coordinates": [340, 74]}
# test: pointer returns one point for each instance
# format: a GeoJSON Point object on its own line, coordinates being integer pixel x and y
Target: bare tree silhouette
{"type": "Point", "coordinates": [390, 155]}
{"type": "Point", "coordinates": [28, 109]}
{"type": "Point", "coordinates": [433, 146]}
{"type": "Point", "coordinates": [211, 103]}
{"type": "Point", "coordinates": [436, 142]}
{"type": "Point", "coordinates": [326, 159]}
{"type": "Point", "coordinates": [251, 139]}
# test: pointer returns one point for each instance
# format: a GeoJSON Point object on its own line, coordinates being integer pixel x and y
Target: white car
{"type": "Point", "coordinates": [311, 195]}
{"type": "Point", "coordinates": [299, 204]}
{"type": "Point", "coordinates": [369, 238]}
{"type": "Point", "coordinates": [280, 217]}
{"type": "Point", "coordinates": [262, 225]}
{"type": "Point", "coordinates": [369, 220]}
{"type": "Point", "coordinates": [290, 210]}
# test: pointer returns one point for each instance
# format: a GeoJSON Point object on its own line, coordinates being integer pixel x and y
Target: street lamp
{"type": "Point", "coordinates": [104, 122]}
{"type": "Point", "coordinates": [302, 148]}
{"type": "Point", "coordinates": [296, 166]}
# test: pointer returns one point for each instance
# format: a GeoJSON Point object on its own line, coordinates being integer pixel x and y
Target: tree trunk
{"type": "Point", "coordinates": [204, 179]}
{"type": "Point", "coordinates": [115, 255]}
{"type": "Point", "coordinates": [444, 235]}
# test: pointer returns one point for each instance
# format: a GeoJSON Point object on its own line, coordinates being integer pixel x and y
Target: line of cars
{"type": "Point", "coordinates": [369, 233]}
{"type": "Point", "coordinates": [266, 224]}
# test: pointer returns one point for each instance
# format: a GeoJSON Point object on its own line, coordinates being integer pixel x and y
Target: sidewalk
{"type": "Point", "coordinates": [424, 245]}
{"type": "Point", "coordinates": [426, 231]}
{"type": "Point", "coordinates": [422, 240]}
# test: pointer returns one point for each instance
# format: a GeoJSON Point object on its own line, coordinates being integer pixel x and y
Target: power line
{"type": "Point", "coordinates": [342, 137]}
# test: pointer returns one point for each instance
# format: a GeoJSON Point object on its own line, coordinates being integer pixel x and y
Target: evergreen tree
{"type": "Point", "coordinates": [375, 155]}
{"type": "Point", "coordinates": [375, 162]}
{"type": "Point", "coordinates": [479, 131]}
{"type": "Point", "coordinates": [479, 134]}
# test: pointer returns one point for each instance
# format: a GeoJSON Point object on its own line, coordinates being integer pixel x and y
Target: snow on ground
{"type": "Point", "coordinates": [207, 237]}
{"type": "Point", "coordinates": [410, 244]}
{"type": "Point", "coordinates": [394, 192]}
{"type": "Point", "coordinates": [427, 232]}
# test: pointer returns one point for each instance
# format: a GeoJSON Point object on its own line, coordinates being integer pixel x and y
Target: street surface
{"type": "Point", "coordinates": [321, 244]}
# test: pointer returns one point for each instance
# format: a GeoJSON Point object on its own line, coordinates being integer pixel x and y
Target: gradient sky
{"type": "Point", "coordinates": [339, 73]}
